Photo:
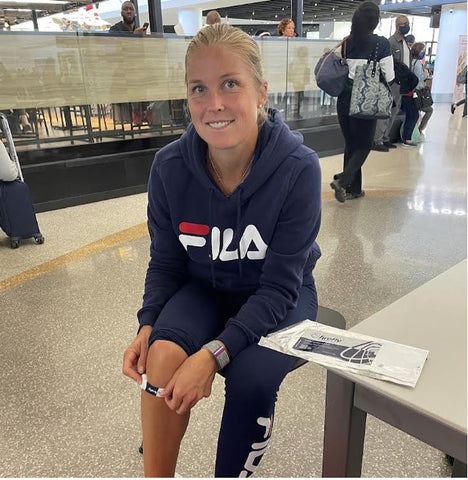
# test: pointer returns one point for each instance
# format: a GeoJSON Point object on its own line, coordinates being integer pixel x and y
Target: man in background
{"type": "Point", "coordinates": [401, 53]}
{"type": "Point", "coordinates": [128, 24]}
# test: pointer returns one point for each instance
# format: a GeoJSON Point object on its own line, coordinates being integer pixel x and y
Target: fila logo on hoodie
{"type": "Point", "coordinates": [251, 244]}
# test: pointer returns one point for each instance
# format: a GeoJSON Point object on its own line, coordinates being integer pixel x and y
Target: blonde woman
{"type": "Point", "coordinates": [235, 208]}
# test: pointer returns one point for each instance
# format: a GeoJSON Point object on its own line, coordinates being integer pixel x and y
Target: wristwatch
{"type": "Point", "coordinates": [218, 350]}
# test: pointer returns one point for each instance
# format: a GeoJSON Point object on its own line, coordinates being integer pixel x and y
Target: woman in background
{"type": "Point", "coordinates": [286, 28]}
{"type": "Point", "coordinates": [359, 133]}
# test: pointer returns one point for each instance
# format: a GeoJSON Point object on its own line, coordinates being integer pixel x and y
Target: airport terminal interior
{"type": "Point", "coordinates": [68, 312]}
{"type": "Point", "coordinates": [68, 306]}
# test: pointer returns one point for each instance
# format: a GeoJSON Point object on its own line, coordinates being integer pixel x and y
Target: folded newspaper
{"type": "Point", "coordinates": [349, 351]}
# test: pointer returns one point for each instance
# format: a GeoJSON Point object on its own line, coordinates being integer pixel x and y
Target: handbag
{"type": "Point", "coordinates": [423, 98]}
{"type": "Point", "coordinates": [331, 71]}
{"type": "Point", "coordinates": [371, 97]}
{"type": "Point", "coordinates": [461, 77]}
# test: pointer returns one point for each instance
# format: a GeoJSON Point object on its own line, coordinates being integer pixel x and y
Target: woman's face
{"type": "Point", "coordinates": [289, 30]}
{"type": "Point", "coordinates": [223, 98]}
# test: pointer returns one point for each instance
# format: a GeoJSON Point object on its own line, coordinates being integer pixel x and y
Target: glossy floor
{"type": "Point", "coordinates": [67, 312]}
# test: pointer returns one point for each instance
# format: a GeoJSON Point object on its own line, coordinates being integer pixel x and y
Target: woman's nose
{"type": "Point", "coordinates": [215, 101]}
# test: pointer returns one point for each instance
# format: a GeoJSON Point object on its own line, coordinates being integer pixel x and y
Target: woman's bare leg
{"type": "Point", "coordinates": [163, 429]}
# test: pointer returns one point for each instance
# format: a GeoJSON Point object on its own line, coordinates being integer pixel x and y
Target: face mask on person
{"type": "Point", "coordinates": [404, 29]}
{"type": "Point", "coordinates": [422, 55]}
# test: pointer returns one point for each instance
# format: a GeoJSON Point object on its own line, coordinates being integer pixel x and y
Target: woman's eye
{"type": "Point", "coordinates": [230, 83]}
{"type": "Point", "coordinates": [198, 89]}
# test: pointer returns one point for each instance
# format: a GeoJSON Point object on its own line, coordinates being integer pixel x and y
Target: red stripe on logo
{"type": "Point", "coordinates": [194, 228]}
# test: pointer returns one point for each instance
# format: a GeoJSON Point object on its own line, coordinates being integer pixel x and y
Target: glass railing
{"type": "Point", "coordinates": [64, 88]}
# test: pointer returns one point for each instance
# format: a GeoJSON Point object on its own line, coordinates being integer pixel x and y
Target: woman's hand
{"type": "Point", "coordinates": [191, 382]}
{"type": "Point", "coordinates": [134, 360]}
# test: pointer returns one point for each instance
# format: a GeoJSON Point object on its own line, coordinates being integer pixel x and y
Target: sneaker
{"type": "Point", "coordinates": [452, 108]}
{"type": "Point", "coordinates": [353, 195]}
{"type": "Point", "coordinates": [380, 147]}
{"type": "Point", "coordinates": [409, 143]}
{"type": "Point", "coordinates": [340, 193]}
{"type": "Point", "coordinates": [389, 145]}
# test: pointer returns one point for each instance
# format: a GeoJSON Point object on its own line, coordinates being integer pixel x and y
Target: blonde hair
{"type": "Point", "coordinates": [245, 47]}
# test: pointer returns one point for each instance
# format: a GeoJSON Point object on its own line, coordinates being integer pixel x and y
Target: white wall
{"type": "Point", "coordinates": [452, 25]}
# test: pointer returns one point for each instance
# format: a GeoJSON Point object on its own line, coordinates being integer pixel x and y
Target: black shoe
{"type": "Point", "coordinates": [389, 145]}
{"type": "Point", "coordinates": [380, 147]}
{"type": "Point", "coordinates": [353, 195]}
{"type": "Point", "coordinates": [340, 193]}
{"type": "Point", "coordinates": [452, 108]}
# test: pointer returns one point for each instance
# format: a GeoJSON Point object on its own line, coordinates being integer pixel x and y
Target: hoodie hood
{"type": "Point", "coordinates": [275, 143]}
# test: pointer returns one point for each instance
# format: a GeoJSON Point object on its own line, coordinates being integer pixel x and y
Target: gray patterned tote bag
{"type": "Point", "coordinates": [371, 97]}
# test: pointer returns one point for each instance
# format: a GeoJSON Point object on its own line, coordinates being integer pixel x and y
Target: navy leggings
{"type": "Point", "coordinates": [195, 315]}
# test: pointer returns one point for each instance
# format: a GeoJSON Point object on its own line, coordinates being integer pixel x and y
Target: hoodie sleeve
{"type": "Point", "coordinates": [283, 271]}
{"type": "Point", "coordinates": [167, 267]}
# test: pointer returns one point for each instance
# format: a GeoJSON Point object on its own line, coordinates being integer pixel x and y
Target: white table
{"type": "Point", "coordinates": [432, 317]}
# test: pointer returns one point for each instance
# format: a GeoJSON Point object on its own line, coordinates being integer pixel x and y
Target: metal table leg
{"type": "Point", "coordinates": [345, 427]}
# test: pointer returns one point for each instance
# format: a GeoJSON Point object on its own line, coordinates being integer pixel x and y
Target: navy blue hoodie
{"type": "Point", "coordinates": [260, 240]}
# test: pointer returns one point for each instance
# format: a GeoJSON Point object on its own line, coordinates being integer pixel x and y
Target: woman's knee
{"type": "Point", "coordinates": [164, 358]}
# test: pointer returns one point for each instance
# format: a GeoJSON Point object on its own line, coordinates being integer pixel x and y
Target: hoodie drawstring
{"type": "Point", "coordinates": [210, 210]}
{"type": "Point", "coordinates": [238, 221]}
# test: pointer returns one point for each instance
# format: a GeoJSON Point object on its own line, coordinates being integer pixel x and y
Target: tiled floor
{"type": "Point", "coordinates": [67, 311]}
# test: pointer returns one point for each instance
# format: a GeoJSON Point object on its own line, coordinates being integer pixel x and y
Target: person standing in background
{"type": "Point", "coordinates": [401, 53]}
{"type": "Point", "coordinates": [128, 24]}
{"type": "Point", "coordinates": [461, 79]}
{"type": "Point", "coordinates": [358, 132]}
{"type": "Point", "coordinates": [417, 56]}
{"type": "Point", "coordinates": [410, 39]}
{"type": "Point", "coordinates": [212, 17]}
{"type": "Point", "coordinates": [286, 28]}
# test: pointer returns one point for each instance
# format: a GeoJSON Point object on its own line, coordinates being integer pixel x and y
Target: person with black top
{"type": "Point", "coordinates": [418, 52]}
{"type": "Point", "coordinates": [401, 53]}
{"type": "Point", "coordinates": [128, 24]}
{"type": "Point", "coordinates": [359, 133]}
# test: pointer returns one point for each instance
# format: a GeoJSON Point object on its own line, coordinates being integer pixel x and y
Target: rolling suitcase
{"type": "Point", "coordinates": [17, 216]}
